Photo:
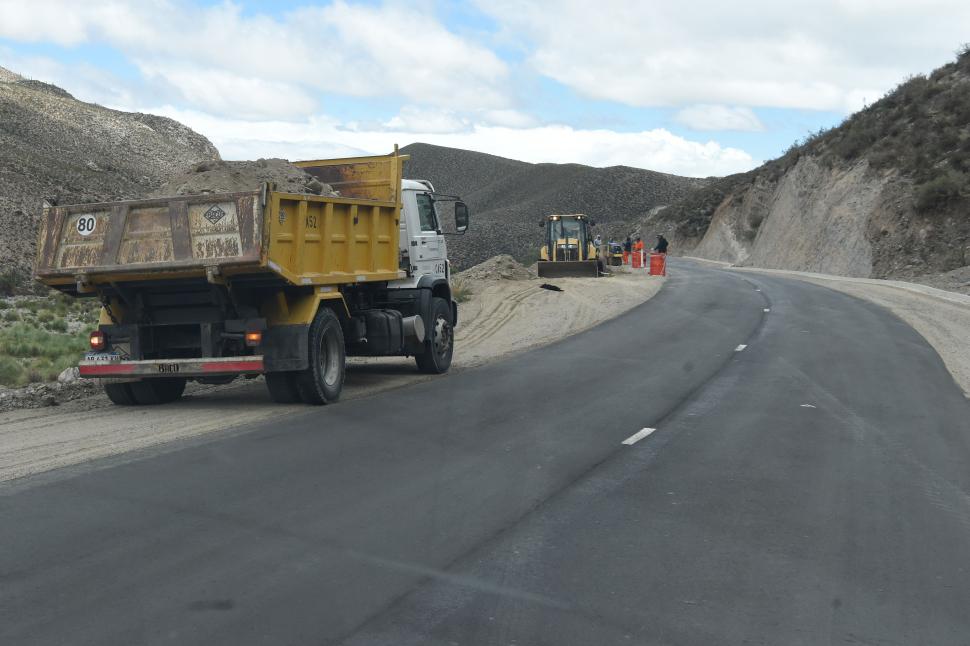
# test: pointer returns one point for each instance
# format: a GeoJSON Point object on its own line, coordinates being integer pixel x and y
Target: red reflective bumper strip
{"type": "Point", "coordinates": [107, 369]}
{"type": "Point", "coordinates": [233, 366]}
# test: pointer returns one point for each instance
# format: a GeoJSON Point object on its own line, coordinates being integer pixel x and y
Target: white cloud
{"type": "Point", "coordinates": [809, 54]}
{"type": "Point", "coordinates": [719, 117]}
{"type": "Point", "coordinates": [357, 50]}
{"type": "Point", "coordinates": [321, 137]}
{"type": "Point", "coordinates": [413, 119]}
{"type": "Point", "coordinates": [221, 92]}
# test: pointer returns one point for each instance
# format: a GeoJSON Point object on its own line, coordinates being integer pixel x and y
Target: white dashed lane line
{"type": "Point", "coordinates": [740, 347]}
{"type": "Point", "coordinates": [639, 435]}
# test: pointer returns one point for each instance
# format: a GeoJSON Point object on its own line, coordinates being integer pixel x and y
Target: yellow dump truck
{"type": "Point", "coordinates": [217, 286]}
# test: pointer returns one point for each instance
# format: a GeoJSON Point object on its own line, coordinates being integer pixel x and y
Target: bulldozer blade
{"type": "Point", "coordinates": [566, 268]}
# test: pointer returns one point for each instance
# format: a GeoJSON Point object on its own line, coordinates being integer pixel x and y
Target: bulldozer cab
{"type": "Point", "coordinates": [568, 248]}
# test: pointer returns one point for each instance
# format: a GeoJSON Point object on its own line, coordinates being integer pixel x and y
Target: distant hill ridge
{"type": "Point", "coordinates": [886, 193]}
{"type": "Point", "coordinates": [507, 198]}
{"type": "Point", "coordinates": [54, 146]}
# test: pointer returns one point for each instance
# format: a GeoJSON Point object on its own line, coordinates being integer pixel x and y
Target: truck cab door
{"type": "Point", "coordinates": [429, 254]}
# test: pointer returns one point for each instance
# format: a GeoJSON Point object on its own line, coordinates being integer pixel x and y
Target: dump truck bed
{"type": "Point", "coordinates": [301, 239]}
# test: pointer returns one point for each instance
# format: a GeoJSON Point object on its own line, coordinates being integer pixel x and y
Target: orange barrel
{"type": "Point", "coordinates": [658, 264]}
{"type": "Point", "coordinates": [637, 260]}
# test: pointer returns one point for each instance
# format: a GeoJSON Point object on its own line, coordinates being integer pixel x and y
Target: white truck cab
{"type": "Point", "coordinates": [424, 252]}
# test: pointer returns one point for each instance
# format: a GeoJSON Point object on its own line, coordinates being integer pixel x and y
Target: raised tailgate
{"type": "Point", "coordinates": [177, 234]}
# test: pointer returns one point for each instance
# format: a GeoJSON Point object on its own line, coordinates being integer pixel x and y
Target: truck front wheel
{"type": "Point", "coordinates": [323, 379]}
{"type": "Point", "coordinates": [440, 344]}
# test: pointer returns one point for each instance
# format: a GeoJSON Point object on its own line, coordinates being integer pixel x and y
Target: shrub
{"type": "Point", "coordinates": [57, 325]}
{"type": "Point", "coordinates": [460, 291]}
{"type": "Point", "coordinates": [11, 372]}
{"type": "Point", "coordinates": [940, 191]}
{"type": "Point", "coordinates": [4, 304]}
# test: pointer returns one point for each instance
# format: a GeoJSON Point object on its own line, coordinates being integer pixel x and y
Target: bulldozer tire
{"type": "Point", "coordinates": [119, 394]}
{"type": "Point", "coordinates": [152, 392]}
{"type": "Point", "coordinates": [282, 387]}
{"type": "Point", "coordinates": [323, 378]}
{"type": "Point", "coordinates": [440, 345]}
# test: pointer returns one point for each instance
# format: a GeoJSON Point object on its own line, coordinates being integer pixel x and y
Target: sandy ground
{"type": "Point", "coordinates": [941, 317]}
{"type": "Point", "coordinates": [502, 317]}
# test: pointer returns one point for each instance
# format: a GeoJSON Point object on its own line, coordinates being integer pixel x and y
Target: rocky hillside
{"type": "Point", "coordinates": [507, 198]}
{"type": "Point", "coordinates": [54, 146]}
{"type": "Point", "coordinates": [886, 193]}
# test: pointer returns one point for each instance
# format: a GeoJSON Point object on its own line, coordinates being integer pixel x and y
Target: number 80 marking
{"type": "Point", "coordinates": [86, 224]}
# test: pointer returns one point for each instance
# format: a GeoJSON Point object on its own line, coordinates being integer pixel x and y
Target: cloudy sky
{"type": "Point", "coordinates": [694, 88]}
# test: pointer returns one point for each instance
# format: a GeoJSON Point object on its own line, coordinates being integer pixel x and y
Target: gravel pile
{"type": "Point", "coordinates": [41, 395]}
{"type": "Point", "coordinates": [501, 267]}
{"type": "Point", "coordinates": [217, 176]}
{"type": "Point", "coordinates": [507, 198]}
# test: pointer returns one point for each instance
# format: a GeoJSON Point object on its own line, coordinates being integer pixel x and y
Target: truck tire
{"type": "Point", "coordinates": [323, 379]}
{"type": "Point", "coordinates": [440, 345]}
{"type": "Point", "coordinates": [119, 394]}
{"type": "Point", "coordinates": [282, 387]}
{"type": "Point", "coordinates": [152, 392]}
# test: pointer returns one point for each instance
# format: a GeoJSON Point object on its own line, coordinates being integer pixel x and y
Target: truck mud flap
{"type": "Point", "coordinates": [567, 268]}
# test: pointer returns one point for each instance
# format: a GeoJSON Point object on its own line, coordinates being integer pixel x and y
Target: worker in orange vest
{"type": "Point", "coordinates": [638, 249]}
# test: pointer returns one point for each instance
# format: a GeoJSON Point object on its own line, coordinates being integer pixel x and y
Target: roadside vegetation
{"type": "Point", "coordinates": [461, 291]}
{"type": "Point", "coordinates": [40, 336]}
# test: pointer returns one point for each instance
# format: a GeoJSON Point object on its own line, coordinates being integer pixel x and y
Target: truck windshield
{"type": "Point", "coordinates": [426, 212]}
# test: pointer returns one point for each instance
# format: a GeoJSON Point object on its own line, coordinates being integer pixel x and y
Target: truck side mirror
{"type": "Point", "coordinates": [461, 217]}
{"type": "Point", "coordinates": [542, 223]}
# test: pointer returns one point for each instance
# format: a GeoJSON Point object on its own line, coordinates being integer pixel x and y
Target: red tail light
{"type": "Point", "coordinates": [97, 340]}
{"type": "Point", "coordinates": [254, 338]}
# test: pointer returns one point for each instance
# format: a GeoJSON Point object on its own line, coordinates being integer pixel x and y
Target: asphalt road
{"type": "Point", "coordinates": [811, 487]}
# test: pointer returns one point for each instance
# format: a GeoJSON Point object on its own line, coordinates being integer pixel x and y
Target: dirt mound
{"type": "Point", "coordinates": [501, 267]}
{"type": "Point", "coordinates": [216, 176]}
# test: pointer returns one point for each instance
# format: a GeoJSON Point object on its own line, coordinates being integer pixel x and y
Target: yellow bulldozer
{"type": "Point", "coordinates": [568, 249]}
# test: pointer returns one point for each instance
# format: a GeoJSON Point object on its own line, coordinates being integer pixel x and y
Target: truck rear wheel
{"type": "Point", "coordinates": [119, 394]}
{"type": "Point", "coordinates": [282, 387]}
{"type": "Point", "coordinates": [440, 344]}
{"type": "Point", "coordinates": [151, 392]}
{"type": "Point", "coordinates": [323, 379]}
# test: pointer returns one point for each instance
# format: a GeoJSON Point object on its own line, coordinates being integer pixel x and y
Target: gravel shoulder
{"type": "Point", "coordinates": [501, 318]}
{"type": "Point", "coordinates": [941, 317]}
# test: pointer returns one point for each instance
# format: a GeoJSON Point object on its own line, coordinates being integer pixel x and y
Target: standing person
{"type": "Point", "coordinates": [638, 249]}
{"type": "Point", "coordinates": [661, 244]}
{"type": "Point", "coordinates": [627, 248]}
{"type": "Point", "coordinates": [597, 241]}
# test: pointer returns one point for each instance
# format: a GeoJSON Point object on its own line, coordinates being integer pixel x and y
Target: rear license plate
{"type": "Point", "coordinates": [102, 357]}
{"type": "Point", "coordinates": [167, 368]}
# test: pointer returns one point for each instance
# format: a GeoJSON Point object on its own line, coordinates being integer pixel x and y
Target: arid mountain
{"type": "Point", "coordinates": [886, 193]}
{"type": "Point", "coordinates": [507, 198]}
{"type": "Point", "coordinates": [54, 146]}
